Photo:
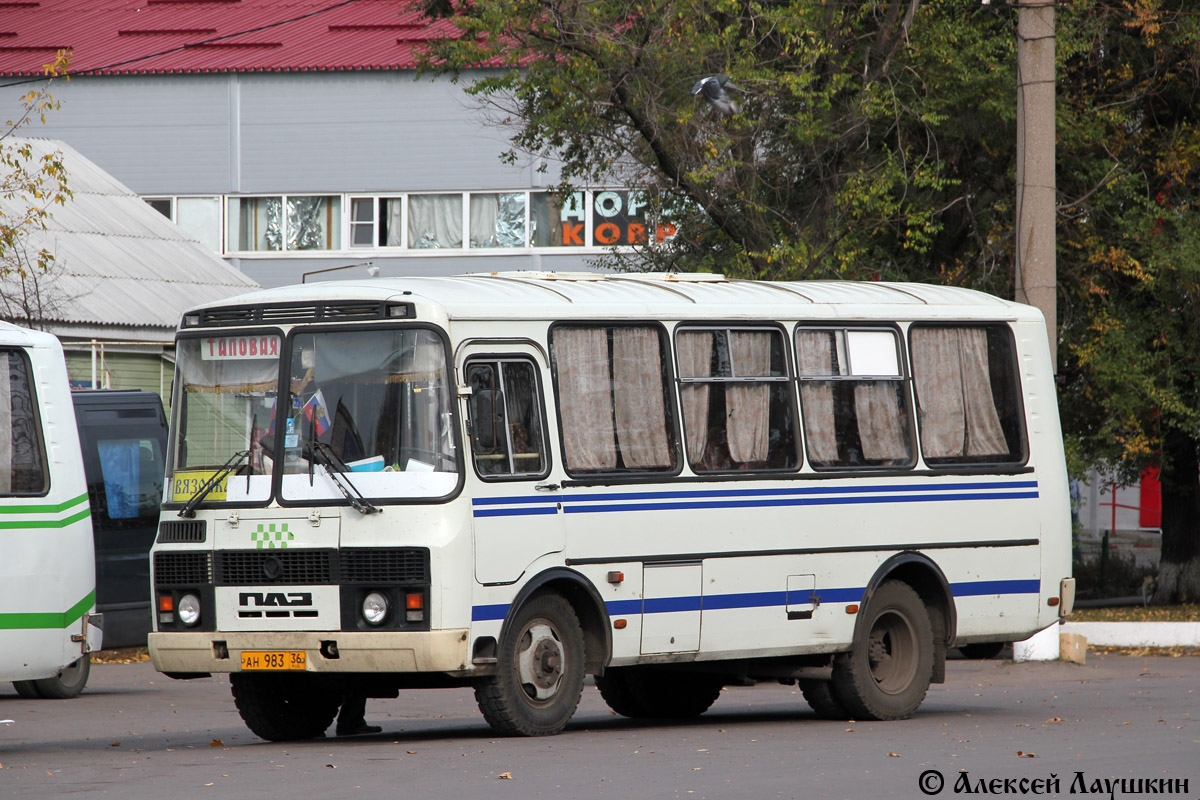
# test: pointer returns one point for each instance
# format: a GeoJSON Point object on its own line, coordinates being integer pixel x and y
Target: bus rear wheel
{"type": "Point", "coordinates": [641, 693]}
{"type": "Point", "coordinates": [539, 677]}
{"type": "Point", "coordinates": [887, 673]}
{"type": "Point", "coordinates": [281, 708]}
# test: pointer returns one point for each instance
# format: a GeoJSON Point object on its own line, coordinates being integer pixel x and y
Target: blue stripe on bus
{"type": "Point", "coordinates": [664, 605]}
{"type": "Point", "coordinates": [755, 498]}
{"type": "Point", "coordinates": [810, 490]}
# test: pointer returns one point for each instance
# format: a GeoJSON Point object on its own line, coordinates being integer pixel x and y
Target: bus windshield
{"type": "Point", "coordinates": [367, 410]}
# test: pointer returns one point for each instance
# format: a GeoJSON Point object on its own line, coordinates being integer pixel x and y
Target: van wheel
{"type": "Point", "coordinates": [820, 696]}
{"type": "Point", "coordinates": [68, 683]}
{"type": "Point", "coordinates": [540, 670]}
{"type": "Point", "coordinates": [281, 708]}
{"type": "Point", "coordinates": [886, 674]}
{"type": "Point", "coordinates": [642, 693]}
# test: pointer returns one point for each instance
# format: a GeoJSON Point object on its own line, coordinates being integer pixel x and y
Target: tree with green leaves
{"type": "Point", "coordinates": [876, 139]}
{"type": "Point", "coordinates": [1129, 256]}
{"type": "Point", "coordinates": [30, 186]}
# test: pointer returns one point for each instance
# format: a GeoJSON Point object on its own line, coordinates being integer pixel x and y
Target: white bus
{"type": "Point", "coordinates": [48, 623]}
{"type": "Point", "coordinates": [671, 482]}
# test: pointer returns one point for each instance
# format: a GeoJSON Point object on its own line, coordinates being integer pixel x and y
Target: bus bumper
{"type": "Point", "coordinates": [325, 651]}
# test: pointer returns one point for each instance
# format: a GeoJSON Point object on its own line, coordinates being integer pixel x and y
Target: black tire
{"type": "Point", "coordinates": [982, 650]}
{"type": "Point", "coordinates": [27, 689]}
{"type": "Point", "coordinates": [821, 697]}
{"type": "Point", "coordinates": [282, 708]}
{"type": "Point", "coordinates": [68, 683]}
{"type": "Point", "coordinates": [539, 677]}
{"type": "Point", "coordinates": [887, 673]}
{"type": "Point", "coordinates": [641, 693]}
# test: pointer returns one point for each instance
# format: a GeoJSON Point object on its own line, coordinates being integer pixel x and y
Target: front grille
{"type": "Point", "coordinates": [176, 569]}
{"type": "Point", "coordinates": [385, 565]}
{"type": "Point", "coordinates": [258, 567]}
{"type": "Point", "coordinates": [182, 532]}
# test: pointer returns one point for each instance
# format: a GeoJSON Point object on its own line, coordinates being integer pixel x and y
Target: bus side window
{"type": "Point", "coordinates": [853, 398]}
{"type": "Point", "coordinates": [22, 453]}
{"type": "Point", "coordinates": [968, 399]}
{"type": "Point", "coordinates": [735, 394]}
{"type": "Point", "coordinates": [507, 435]}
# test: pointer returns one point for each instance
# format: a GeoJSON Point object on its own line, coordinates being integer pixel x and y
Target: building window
{"type": "Point", "coordinates": [498, 219]}
{"type": "Point", "coordinates": [557, 220]}
{"type": "Point", "coordinates": [310, 223]}
{"type": "Point", "coordinates": [852, 398]}
{"type": "Point", "coordinates": [968, 404]}
{"type": "Point", "coordinates": [737, 406]}
{"type": "Point", "coordinates": [615, 410]}
{"type": "Point", "coordinates": [435, 221]}
{"type": "Point", "coordinates": [199, 217]}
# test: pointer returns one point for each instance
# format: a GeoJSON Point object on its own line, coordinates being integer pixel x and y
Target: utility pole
{"type": "Point", "coordinates": [1035, 267]}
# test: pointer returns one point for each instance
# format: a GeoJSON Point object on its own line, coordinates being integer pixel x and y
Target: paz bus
{"type": "Point", "coordinates": [48, 624]}
{"type": "Point", "coordinates": [671, 482]}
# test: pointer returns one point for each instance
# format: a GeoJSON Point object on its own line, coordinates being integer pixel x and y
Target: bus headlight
{"type": "Point", "coordinates": [188, 609]}
{"type": "Point", "coordinates": [374, 608]}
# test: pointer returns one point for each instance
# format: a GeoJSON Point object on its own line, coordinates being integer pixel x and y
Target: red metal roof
{"type": "Point", "coordinates": [112, 37]}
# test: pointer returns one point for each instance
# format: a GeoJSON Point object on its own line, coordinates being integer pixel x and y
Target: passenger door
{"type": "Point", "coordinates": [517, 514]}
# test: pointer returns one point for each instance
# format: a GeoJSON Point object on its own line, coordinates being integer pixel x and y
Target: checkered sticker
{"type": "Point", "coordinates": [270, 536]}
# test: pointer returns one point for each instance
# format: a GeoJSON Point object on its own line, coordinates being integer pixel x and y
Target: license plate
{"type": "Point", "coordinates": [274, 659]}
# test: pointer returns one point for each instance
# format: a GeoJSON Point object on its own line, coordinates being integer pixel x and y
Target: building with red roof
{"type": "Point", "coordinates": [295, 137]}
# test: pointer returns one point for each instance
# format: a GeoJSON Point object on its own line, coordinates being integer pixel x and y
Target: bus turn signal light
{"type": "Point", "coordinates": [166, 603]}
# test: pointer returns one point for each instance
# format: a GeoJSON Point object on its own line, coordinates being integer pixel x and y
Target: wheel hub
{"type": "Point", "coordinates": [541, 661]}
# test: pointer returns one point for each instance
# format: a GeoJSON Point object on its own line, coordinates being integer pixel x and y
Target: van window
{"type": "Point", "coordinates": [612, 383]}
{"type": "Point", "coordinates": [22, 452]}
{"type": "Point", "coordinates": [737, 410]}
{"type": "Point", "coordinates": [506, 418]}
{"type": "Point", "coordinates": [967, 394]}
{"type": "Point", "coordinates": [852, 397]}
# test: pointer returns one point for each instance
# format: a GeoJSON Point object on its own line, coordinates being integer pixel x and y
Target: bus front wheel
{"type": "Point", "coordinates": [886, 674]}
{"type": "Point", "coordinates": [539, 679]}
{"type": "Point", "coordinates": [281, 708]}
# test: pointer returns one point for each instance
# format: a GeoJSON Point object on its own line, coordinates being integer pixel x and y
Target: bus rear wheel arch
{"type": "Point", "coordinates": [539, 670]}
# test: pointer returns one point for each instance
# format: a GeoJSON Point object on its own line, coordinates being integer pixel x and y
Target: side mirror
{"type": "Point", "coordinates": [487, 421]}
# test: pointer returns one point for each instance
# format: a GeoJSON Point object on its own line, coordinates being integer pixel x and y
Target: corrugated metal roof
{"type": "Point", "coordinates": [118, 262]}
{"type": "Point", "coordinates": [533, 295]}
{"type": "Point", "coordinates": [170, 36]}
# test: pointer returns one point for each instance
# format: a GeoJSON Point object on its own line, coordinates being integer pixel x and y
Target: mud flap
{"type": "Point", "coordinates": [939, 661]}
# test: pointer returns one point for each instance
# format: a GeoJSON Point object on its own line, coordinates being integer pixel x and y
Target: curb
{"type": "Point", "coordinates": [1136, 634]}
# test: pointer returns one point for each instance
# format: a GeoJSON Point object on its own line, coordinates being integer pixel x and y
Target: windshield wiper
{"type": "Point", "coordinates": [336, 469]}
{"type": "Point", "coordinates": [235, 461]}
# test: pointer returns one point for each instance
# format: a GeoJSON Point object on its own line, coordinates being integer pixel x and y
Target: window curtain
{"type": "Point", "coordinates": [6, 424]}
{"type": "Point", "coordinates": [954, 393]}
{"type": "Point", "coordinates": [695, 361]}
{"type": "Point", "coordinates": [880, 421]}
{"type": "Point", "coordinates": [639, 412]}
{"type": "Point", "coordinates": [395, 222]}
{"type": "Point", "coordinates": [581, 360]}
{"type": "Point", "coordinates": [434, 220]}
{"type": "Point", "coordinates": [985, 436]}
{"type": "Point", "coordinates": [749, 404]}
{"type": "Point", "coordinates": [120, 464]}
{"type": "Point", "coordinates": [816, 351]}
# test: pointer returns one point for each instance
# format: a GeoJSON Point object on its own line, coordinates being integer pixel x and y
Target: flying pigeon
{"type": "Point", "coordinates": [713, 89]}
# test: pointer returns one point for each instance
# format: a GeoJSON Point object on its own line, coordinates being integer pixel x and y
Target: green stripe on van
{"type": "Point", "coordinates": [53, 508]}
{"type": "Point", "coordinates": [46, 522]}
{"type": "Point", "coordinates": [48, 619]}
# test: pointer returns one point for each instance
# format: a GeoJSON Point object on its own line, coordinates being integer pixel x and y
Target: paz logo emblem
{"type": "Point", "coordinates": [271, 536]}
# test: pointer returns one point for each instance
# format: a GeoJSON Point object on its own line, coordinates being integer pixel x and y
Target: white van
{"type": "Point", "coordinates": [47, 563]}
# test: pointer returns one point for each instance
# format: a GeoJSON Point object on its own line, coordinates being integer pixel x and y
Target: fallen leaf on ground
{"type": "Point", "coordinates": [505, 776]}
